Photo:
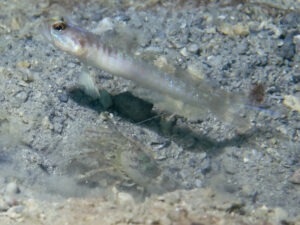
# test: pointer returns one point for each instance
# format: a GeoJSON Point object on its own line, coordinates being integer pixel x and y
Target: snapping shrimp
{"type": "Point", "coordinates": [172, 92]}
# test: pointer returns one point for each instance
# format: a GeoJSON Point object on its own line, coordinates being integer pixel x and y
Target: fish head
{"type": "Point", "coordinates": [66, 36]}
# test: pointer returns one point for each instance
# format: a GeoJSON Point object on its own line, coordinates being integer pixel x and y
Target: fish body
{"type": "Point", "coordinates": [172, 92]}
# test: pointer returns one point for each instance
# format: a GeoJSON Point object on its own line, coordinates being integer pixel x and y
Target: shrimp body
{"type": "Point", "coordinates": [198, 98]}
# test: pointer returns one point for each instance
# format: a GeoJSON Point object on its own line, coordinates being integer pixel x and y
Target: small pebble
{"type": "Point", "coordinates": [288, 49]}
{"type": "Point", "coordinates": [233, 30]}
{"type": "Point", "coordinates": [198, 183]}
{"type": "Point", "coordinates": [193, 48]}
{"type": "Point", "coordinates": [15, 23]}
{"type": "Point", "coordinates": [27, 77]}
{"type": "Point", "coordinates": [196, 71]}
{"type": "Point", "coordinates": [206, 165]}
{"type": "Point", "coordinates": [46, 123]}
{"type": "Point", "coordinates": [12, 188]}
{"type": "Point", "coordinates": [246, 190]}
{"type": "Point", "coordinates": [125, 198]}
{"type": "Point", "coordinates": [21, 97]}
{"type": "Point", "coordinates": [292, 102]}
{"type": "Point", "coordinates": [3, 205]}
{"type": "Point", "coordinates": [202, 155]}
{"type": "Point", "coordinates": [296, 41]}
{"type": "Point", "coordinates": [241, 29]}
{"type": "Point", "coordinates": [295, 179]}
{"type": "Point", "coordinates": [229, 165]}
{"type": "Point", "coordinates": [63, 97]}
{"type": "Point", "coordinates": [184, 52]}
{"type": "Point", "coordinates": [23, 64]}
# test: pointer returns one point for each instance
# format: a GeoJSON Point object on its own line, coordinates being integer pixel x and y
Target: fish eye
{"type": "Point", "coordinates": [59, 26]}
